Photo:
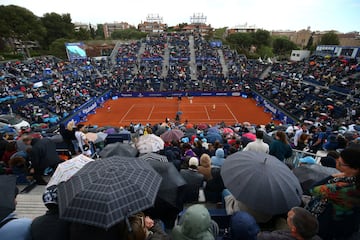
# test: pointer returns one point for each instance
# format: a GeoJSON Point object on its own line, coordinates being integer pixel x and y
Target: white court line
{"type": "Point", "coordinates": [132, 106]}
{"type": "Point", "coordinates": [207, 113]}
{"type": "Point", "coordinates": [231, 112]}
{"type": "Point", "coordinates": [152, 109]}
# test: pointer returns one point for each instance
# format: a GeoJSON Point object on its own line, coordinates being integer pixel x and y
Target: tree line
{"type": "Point", "coordinates": [52, 30]}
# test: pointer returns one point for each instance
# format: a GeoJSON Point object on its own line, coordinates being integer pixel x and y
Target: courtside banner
{"type": "Point", "coordinates": [181, 94]}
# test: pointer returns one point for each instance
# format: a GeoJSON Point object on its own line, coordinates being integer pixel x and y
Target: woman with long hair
{"type": "Point", "coordinates": [280, 147]}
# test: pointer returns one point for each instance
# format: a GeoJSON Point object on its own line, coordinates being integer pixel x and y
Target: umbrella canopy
{"type": "Point", "coordinates": [7, 199]}
{"type": "Point", "coordinates": [172, 181]}
{"type": "Point", "coordinates": [202, 126]}
{"type": "Point", "coordinates": [261, 181]}
{"type": "Point", "coordinates": [96, 137]}
{"type": "Point", "coordinates": [106, 191]}
{"type": "Point", "coordinates": [67, 169]}
{"type": "Point", "coordinates": [91, 136]}
{"type": "Point", "coordinates": [213, 137]}
{"type": "Point", "coordinates": [161, 130]}
{"type": "Point", "coordinates": [312, 173]}
{"type": "Point", "coordinates": [227, 130]}
{"type": "Point", "coordinates": [118, 149]}
{"type": "Point", "coordinates": [101, 136]}
{"type": "Point", "coordinates": [213, 130]}
{"type": "Point", "coordinates": [172, 135]}
{"type": "Point", "coordinates": [154, 157]}
{"type": "Point", "coordinates": [149, 143]}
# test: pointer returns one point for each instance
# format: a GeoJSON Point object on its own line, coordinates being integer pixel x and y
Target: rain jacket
{"type": "Point", "coordinates": [195, 224]}
{"type": "Point", "coordinates": [218, 159]}
{"type": "Point", "coordinates": [18, 229]}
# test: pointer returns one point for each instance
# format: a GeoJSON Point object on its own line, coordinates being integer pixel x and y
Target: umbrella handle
{"type": "Point", "coordinates": [128, 222]}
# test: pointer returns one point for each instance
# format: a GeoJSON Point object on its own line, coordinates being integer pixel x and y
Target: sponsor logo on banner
{"type": "Point", "coordinates": [155, 95]}
{"type": "Point", "coordinates": [235, 94]}
{"type": "Point", "coordinates": [221, 94]}
{"type": "Point", "coordinates": [90, 108]}
{"type": "Point", "coordinates": [126, 95]}
{"type": "Point", "coordinates": [269, 107]}
{"type": "Point", "coordinates": [206, 94]}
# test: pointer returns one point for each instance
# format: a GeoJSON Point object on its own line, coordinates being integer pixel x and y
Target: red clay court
{"type": "Point", "coordinates": [196, 110]}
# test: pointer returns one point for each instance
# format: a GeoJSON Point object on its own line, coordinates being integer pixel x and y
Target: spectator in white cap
{"type": "Point", "coordinates": [194, 180]}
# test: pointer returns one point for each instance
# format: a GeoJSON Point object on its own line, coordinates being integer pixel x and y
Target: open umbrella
{"type": "Point", "coordinates": [172, 135]}
{"type": "Point", "coordinates": [154, 157]}
{"type": "Point", "coordinates": [96, 137]}
{"type": "Point", "coordinates": [202, 126]}
{"type": "Point", "coordinates": [312, 173]}
{"type": "Point", "coordinates": [149, 143]}
{"type": "Point", "coordinates": [91, 136]}
{"type": "Point", "coordinates": [227, 130]}
{"type": "Point", "coordinates": [7, 199]}
{"type": "Point", "coordinates": [172, 181]}
{"type": "Point", "coordinates": [261, 182]}
{"type": "Point", "coordinates": [118, 149]}
{"type": "Point", "coordinates": [213, 130]}
{"type": "Point", "coordinates": [213, 137]}
{"type": "Point", "coordinates": [67, 169]}
{"type": "Point", "coordinates": [106, 191]}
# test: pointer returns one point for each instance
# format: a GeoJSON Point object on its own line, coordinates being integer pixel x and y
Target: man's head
{"type": "Point", "coordinates": [304, 126]}
{"type": "Point", "coordinates": [27, 139]}
{"type": "Point", "coordinates": [302, 224]}
{"type": "Point", "coordinates": [259, 134]}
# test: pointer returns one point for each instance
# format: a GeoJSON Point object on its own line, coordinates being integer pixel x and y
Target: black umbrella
{"type": "Point", "coordinates": [311, 173]}
{"type": "Point", "coordinates": [7, 199]}
{"type": "Point", "coordinates": [172, 181]}
{"type": "Point", "coordinates": [118, 149]}
{"type": "Point", "coordinates": [153, 157]}
{"type": "Point", "coordinates": [106, 191]}
{"type": "Point", "coordinates": [261, 181]}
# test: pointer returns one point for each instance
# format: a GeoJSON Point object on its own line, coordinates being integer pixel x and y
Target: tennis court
{"type": "Point", "coordinates": [211, 110]}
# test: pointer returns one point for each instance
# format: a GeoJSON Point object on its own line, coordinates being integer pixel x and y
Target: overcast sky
{"type": "Point", "coordinates": [341, 15]}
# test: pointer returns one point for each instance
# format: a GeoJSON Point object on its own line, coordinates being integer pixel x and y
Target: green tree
{"type": "Point", "coordinates": [99, 33]}
{"type": "Point", "coordinates": [265, 52]}
{"type": "Point", "coordinates": [261, 38]}
{"type": "Point", "coordinates": [282, 46]}
{"type": "Point", "coordinates": [82, 34]}
{"type": "Point", "coordinates": [57, 47]}
{"type": "Point", "coordinates": [240, 41]}
{"type": "Point", "coordinates": [92, 31]}
{"type": "Point", "coordinates": [219, 33]}
{"type": "Point", "coordinates": [131, 33]}
{"type": "Point", "coordinates": [57, 26]}
{"type": "Point", "coordinates": [330, 38]}
{"type": "Point", "coordinates": [21, 24]}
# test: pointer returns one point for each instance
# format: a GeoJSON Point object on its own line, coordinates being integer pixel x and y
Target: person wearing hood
{"type": "Point", "coordinates": [242, 226]}
{"type": "Point", "coordinates": [219, 157]}
{"type": "Point", "coordinates": [195, 224]}
{"type": "Point", "coordinates": [49, 226]}
{"type": "Point", "coordinates": [41, 155]}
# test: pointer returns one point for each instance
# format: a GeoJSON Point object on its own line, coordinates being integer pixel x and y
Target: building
{"type": "Point", "coordinates": [242, 28]}
{"type": "Point", "coordinates": [198, 24]}
{"type": "Point", "coordinates": [153, 24]}
{"type": "Point", "coordinates": [299, 55]}
{"type": "Point", "coordinates": [302, 37]}
{"type": "Point", "coordinates": [109, 28]}
{"type": "Point", "coordinates": [86, 26]}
